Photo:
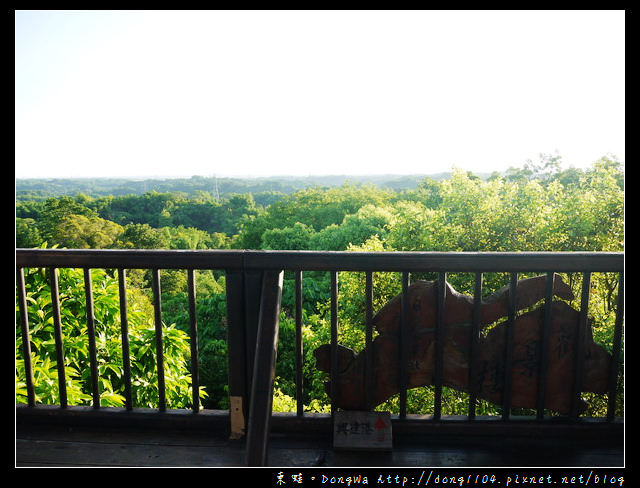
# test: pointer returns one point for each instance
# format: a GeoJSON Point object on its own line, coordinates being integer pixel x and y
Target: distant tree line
{"type": "Point", "coordinates": [217, 187]}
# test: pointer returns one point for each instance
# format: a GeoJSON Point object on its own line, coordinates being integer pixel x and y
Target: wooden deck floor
{"type": "Point", "coordinates": [86, 447]}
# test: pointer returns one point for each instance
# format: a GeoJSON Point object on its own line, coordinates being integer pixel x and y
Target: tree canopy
{"type": "Point", "coordinates": [539, 207]}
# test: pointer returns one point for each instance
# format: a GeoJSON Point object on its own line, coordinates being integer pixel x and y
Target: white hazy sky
{"type": "Point", "coordinates": [183, 93]}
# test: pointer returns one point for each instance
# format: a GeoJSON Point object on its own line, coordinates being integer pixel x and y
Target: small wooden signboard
{"type": "Point", "coordinates": [361, 430]}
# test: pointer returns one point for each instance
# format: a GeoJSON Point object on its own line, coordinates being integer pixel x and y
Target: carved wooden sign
{"type": "Point", "coordinates": [458, 310]}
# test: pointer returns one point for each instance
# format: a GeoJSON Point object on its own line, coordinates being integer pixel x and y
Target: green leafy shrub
{"type": "Point", "coordinates": [176, 350]}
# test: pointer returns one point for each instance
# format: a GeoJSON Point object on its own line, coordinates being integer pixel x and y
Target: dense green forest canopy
{"type": "Point", "coordinates": [539, 207]}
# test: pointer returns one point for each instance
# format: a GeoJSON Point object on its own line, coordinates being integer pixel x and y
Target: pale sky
{"type": "Point", "coordinates": [264, 93]}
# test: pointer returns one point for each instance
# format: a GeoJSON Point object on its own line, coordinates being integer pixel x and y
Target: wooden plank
{"type": "Point", "coordinates": [236, 352]}
{"type": "Point", "coordinates": [264, 370]}
{"type": "Point", "coordinates": [251, 302]}
{"type": "Point", "coordinates": [434, 261]}
{"type": "Point", "coordinates": [320, 425]}
{"type": "Point", "coordinates": [322, 260]}
{"type": "Point", "coordinates": [133, 447]}
{"type": "Point", "coordinates": [129, 258]}
{"type": "Point", "coordinates": [127, 454]}
{"type": "Point", "coordinates": [211, 421]}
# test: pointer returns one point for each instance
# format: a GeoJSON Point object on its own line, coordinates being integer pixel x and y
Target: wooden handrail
{"type": "Point", "coordinates": [323, 260]}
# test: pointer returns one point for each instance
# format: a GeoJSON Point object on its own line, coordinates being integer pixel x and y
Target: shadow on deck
{"type": "Point", "coordinates": [58, 446]}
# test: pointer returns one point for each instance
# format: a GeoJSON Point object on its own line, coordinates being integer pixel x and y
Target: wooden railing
{"type": "Point", "coordinates": [254, 288]}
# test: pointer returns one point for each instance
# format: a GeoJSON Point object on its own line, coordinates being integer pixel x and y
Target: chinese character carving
{"type": "Point", "coordinates": [491, 347]}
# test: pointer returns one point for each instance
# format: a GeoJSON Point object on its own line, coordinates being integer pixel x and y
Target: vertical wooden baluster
{"type": "Point", "coordinates": [57, 327]}
{"type": "Point", "coordinates": [157, 306]}
{"type": "Point", "coordinates": [545, 346]}
{"type": "Point", "coordinates": [193, 329]}
{"type": "Point", "coordinates": [299, 345]}
{"type": "Point", "coordinates": [473, 346]}
{"type": "Point", "coordinates": [583, 324]}
{"type": "Point", "coordinates": [368, 367]}
{"type": "Point", "coordinates": [124, 329]}
{"type": "Point", "coordinates": [616, 350]}
{"type": "Point", "coordinates": [508, 354]}
{"type": "Point", "coordinates": [404, 345]}
{"type": "Point", "coordinates": [439, 345]}
{"type": "Point", "coordinates": [91, 332]}
{"type": "Point", "coordinates": [26, 338]}
{"type": "Point", "coordinates": [334, 341]}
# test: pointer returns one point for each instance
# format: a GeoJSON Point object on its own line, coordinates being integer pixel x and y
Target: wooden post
{"type": "Point", "coordinates": [264, 369]}
{"type": "Point", "coordinates": [244, 290]}
{"type": "Point", "coordinates": [253, 283]}
{"type": "Point", "coordinates": [236, 351]}
{"type": "Point", "coordinates": [253, 313]}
